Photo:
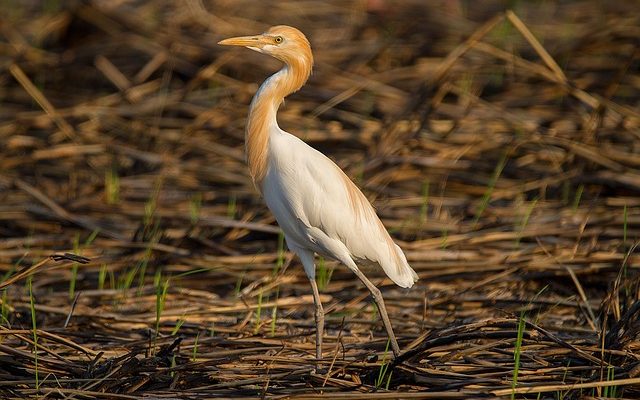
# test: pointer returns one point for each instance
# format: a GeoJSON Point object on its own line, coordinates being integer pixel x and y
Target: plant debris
{"type": "Point", "coordinates": [501, 149]}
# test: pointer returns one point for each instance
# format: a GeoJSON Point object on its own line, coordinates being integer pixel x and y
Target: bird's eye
{"type": "Point", "coordinates": [278, 39]}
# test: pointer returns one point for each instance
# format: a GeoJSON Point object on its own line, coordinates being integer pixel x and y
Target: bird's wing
{"type": "Point", "coordinates": [315, 191]}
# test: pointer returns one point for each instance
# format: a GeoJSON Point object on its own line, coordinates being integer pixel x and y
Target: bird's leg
{"type": "Point", "coordinates": [306, 257]}
{"type": "Point", "coordinates": [319, 316]}
{"type": "Point", "coordinates": [377, 297]}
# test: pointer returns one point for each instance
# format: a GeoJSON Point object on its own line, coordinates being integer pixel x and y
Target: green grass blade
{"type": "Point", "coordinates": [258, 312]}
{"type": "Point", "coordinates": [486, 197]}
{"type": "Point", "coordinates": [281, 253]}
{"type": "Point", "coordinates": [384, 366]}
{"type": "Point", "coordinates": [32, 305]}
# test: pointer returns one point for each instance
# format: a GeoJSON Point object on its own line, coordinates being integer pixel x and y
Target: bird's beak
{"type": "Point", "coordinates": [256, 41]}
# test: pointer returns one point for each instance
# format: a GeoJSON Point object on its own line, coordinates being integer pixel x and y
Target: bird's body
{"type": "Point", "coordinates": [319, 209]}
{"type": "Point", "coordinates": [322, 211]}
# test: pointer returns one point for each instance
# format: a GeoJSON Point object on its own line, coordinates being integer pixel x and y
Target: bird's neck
{"type": "Point", "coordinates": [262, 114]}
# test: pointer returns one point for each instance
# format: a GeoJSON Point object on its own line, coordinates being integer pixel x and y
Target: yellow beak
{"type": "Point", "coordinates": [247, 41]}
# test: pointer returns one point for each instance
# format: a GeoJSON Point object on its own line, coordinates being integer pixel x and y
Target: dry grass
{"type": "Point", "coordinates": [502, 150]}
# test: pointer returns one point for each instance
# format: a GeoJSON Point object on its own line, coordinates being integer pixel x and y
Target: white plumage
{"type": "Point", "coordinates": [307, 194]}
{"type": "Point", "coordinates": [319, 209]}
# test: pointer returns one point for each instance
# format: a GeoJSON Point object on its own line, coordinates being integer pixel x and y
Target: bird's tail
{"type": "Point", "coordinates": [399, 270]}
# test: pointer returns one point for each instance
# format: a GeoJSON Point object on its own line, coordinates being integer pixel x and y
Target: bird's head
{"type": "Point", "coordinates": [285, 43]}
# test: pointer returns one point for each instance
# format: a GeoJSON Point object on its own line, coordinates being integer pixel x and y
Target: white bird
{"type": "Point", "coordinates": [319, 209]}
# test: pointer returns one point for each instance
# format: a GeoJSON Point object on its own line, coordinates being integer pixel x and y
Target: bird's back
{"type": "Point", "coordinates": [318, 207]}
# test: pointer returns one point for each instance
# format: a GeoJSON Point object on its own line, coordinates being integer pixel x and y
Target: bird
{"type": "Point", "coordinates": [319, 209]}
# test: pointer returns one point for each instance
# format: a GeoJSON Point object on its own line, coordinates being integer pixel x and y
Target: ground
{"type": "Point", "coordinates": [499, 143]}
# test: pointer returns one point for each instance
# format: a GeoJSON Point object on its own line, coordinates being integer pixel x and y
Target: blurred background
{"type": "Point", "coordinates": [499, 142]}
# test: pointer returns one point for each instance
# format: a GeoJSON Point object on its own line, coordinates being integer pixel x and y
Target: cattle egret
{"type": "Point", "coordinates": [319, 209]}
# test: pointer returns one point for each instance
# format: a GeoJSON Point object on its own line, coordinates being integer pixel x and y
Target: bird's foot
{"type": "Point", "coordinates": [319, 369]}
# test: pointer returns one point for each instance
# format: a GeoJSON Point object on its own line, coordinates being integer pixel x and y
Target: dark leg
{"type": "Point", "coordinates": [306, 257]}
{"type": "Point", "coordinates": [377, 297]}
{"type": "Point", "coordinates": [319, 316]}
